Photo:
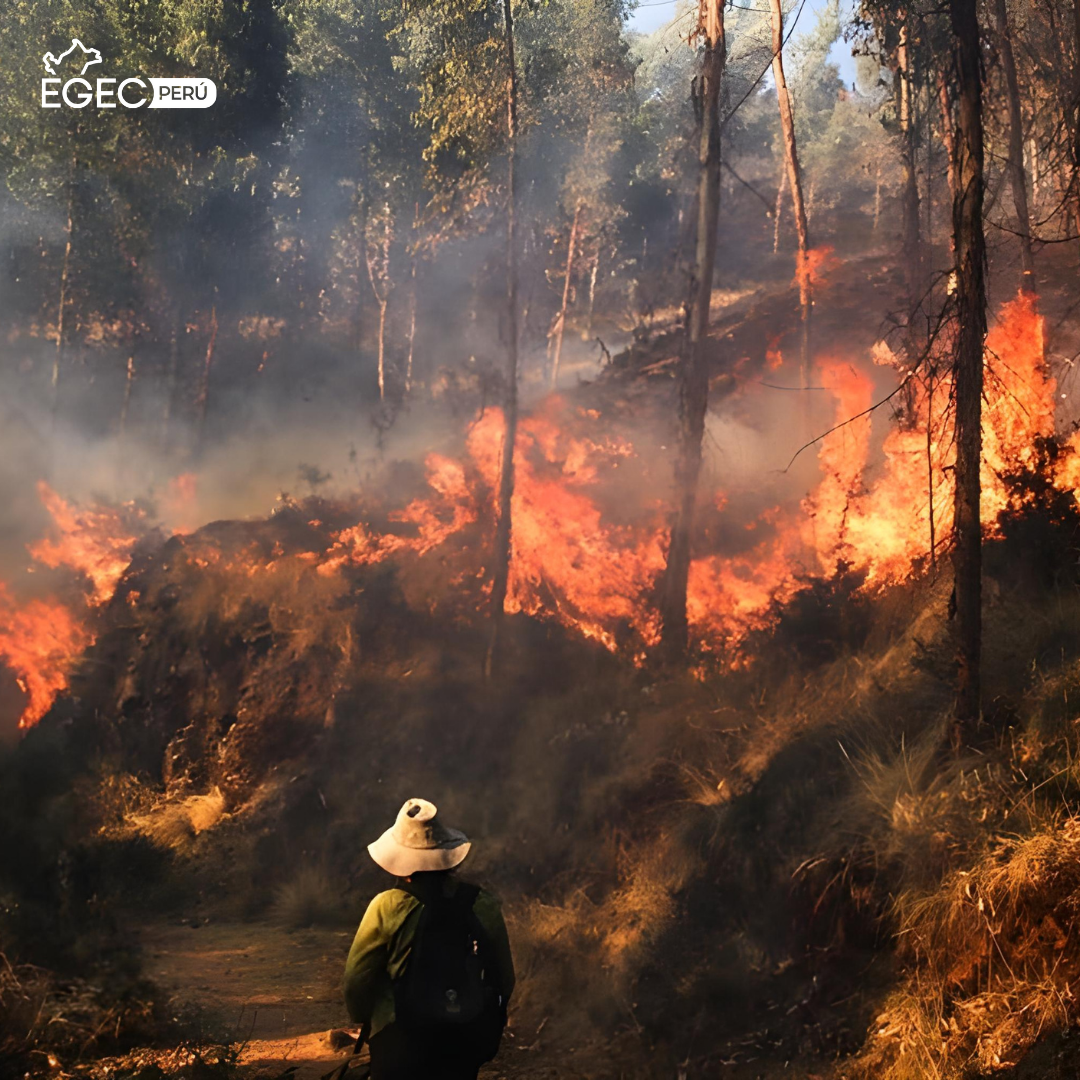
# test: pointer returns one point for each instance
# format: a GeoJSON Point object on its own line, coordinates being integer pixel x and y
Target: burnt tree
{"type": "Point", "coordinates": [970, 247]}
{"type": "Point", "coordinates": [694, 381]}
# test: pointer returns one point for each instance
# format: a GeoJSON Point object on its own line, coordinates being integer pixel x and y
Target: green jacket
{"type": "Point", "coordinates": [380, 951]}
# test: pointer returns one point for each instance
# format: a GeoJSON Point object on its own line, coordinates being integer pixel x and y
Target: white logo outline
{"type": "Point", "coordinates": [52, 62]}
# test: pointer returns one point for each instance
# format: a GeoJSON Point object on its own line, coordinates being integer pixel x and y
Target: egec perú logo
{"type": "Point", "coordinates": [135, 92]}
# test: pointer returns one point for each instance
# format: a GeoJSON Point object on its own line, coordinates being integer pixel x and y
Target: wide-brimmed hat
{"type": "Point", "coordinates": [418, 841]}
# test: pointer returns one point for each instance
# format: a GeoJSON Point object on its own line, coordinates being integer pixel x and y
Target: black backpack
{"type": "Point", "coordinates": [448, 985]}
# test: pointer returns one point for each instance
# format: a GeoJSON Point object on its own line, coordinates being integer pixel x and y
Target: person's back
{"type": "Point", "coordinates": [429, 974]}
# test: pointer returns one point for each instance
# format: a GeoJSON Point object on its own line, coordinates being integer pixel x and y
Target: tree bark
{"type": "Point", "coordinates": [694, 383]}
{"type": "Point", "coordinates": [592, 292]}
{"type": "Point", "coordinates": [382, 349]}
{"type": "Point", "coordinates": [948, 132]}
{"type": "Point", "coordinates": [912, 242]}
{"type": "Point", "coordinates": [968, 360]}
{"type": "Point", "coordinates": [561, 326]}
{"type": "Point", "coordinates": [781, 191]}
{"type": "Point", "coordinates": [503, 528]}
{"type": "Point", "coordinates": [1076, 116]}
{"type": "Point", "coordinates": [382, 298]}
{"type": "Point", "coordinates": [413, 300]}
{"type": "Point", "coordinates": [54, 382]}
{"type": "Point", "coordinates": [794, 173]}
{"type": "Point", "coordinates": [1015, 164]}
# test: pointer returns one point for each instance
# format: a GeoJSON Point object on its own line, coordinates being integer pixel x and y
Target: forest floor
{"type": "Point", "coordinates": [276, 992]}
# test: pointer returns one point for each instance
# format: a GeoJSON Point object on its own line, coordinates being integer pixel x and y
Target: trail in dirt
{"type": "Point", "coordinates": [276, 991]}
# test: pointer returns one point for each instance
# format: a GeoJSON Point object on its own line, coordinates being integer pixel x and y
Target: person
{"type": "Point", "coordinates": [430, 973]}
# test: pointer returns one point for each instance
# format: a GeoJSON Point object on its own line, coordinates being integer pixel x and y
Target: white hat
{"type": "Point", "coordinates": [418, 841]}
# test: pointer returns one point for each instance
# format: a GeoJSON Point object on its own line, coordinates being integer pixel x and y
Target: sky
{"type": "Point", "coordinates": [651, 14]}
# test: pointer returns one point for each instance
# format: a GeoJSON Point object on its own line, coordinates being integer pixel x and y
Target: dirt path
{"type": "Point", "coordinates": [275, 990]}
{"type": "Point", "coordinates": [278, 992]}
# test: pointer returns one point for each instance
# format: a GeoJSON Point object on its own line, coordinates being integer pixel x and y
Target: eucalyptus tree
{"type": "Point", "coordinates": [581, 109]}
{"type": "Point", "coordinates": [794, 177]}
{"type": "Point", "coordinates": [970, 246]}
{"type": "Point", "coordinates": [171, 200]}
{"type": "Point", "coordinates": [694, 381]}
{"type": "Point", "coordinates": [356, 160]}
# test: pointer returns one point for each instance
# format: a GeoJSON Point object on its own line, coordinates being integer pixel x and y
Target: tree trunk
{"type": "Point", "coordinates": [561, 327]}
{"type": "Point", "coordinates": [171, 377]}
{"type": "Point", "coordinates": [1076, 116]}
{"type": "Point", "coordinates": [791, 156]}
{"type": "Point", "coordinates": [592, 293]}
{"type": "Point", "coordinates": [1036, 175]}
{"type": "Point", "coordinates": [503, 528]}
{"type": "Point", "coordinates": [968, 359]}
{"type": "Point", "coordinates": [382, 349]}
{"type": "Point", "coordinates": [930, 465]}
{"type": "Point", "coordinates": [126, 403]}
{"type": "Point", "coordinates": [204, 388]}
{"type": "Point", "coordinates": [928, 166]}
{"type": "Point", "coordinates": [412, 329]}
{"type": "Point", "coordinates": [54, 382]}
{"type": "Point", "coordinates": [948, 132]}
{"type": "Point", "coordinates": [877, 199]}
{"type": "Point", "coordinates": [1015, 164]}
{"type": "Point", "coordinates": [382, 298]}
{"type": "Point", "coordinates": [781, 191]}
{"type": "Point", "coordinates": [694, 383]}
{"type": "Point", "coordinates": [912, 246]}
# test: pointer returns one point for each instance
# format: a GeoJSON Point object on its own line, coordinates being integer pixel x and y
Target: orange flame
{"type": "Point", "coordinates": [566, 562]}
{"type": "Point", "coordinates": [94, 543]}
{"type": "Point", "coordinates": [39, 642]}
{"type": "Point", "coordinates": [446, 477]}
{"type": "Point", "coordinates": [813, 270]}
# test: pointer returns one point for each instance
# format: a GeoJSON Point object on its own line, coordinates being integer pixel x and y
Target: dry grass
{"type": "Point", "coordinates": [175, 824]}
{"type": "Point", "coordinates": [989, 949]}
{"type": "Point", "coordinates": [308, 898]}
{"type": "Point", "coordinates": [46, 1022]}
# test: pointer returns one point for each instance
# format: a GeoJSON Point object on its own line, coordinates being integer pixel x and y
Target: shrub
{"type": "Point", "coordinates": [309, 898]}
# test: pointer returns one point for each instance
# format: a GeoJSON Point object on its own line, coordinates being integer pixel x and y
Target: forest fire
{"type": "Point", "coordinates": [571, 566]}
{"type": "Point", "coordinates": [598, 578]}
{"type": "Point", "coordinates": [647, 431]}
